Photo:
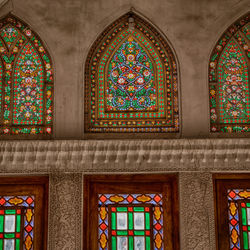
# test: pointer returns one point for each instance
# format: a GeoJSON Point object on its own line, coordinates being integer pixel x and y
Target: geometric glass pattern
{"type": "Point", "coordinates": [229, 80]}
{"type": "Point", "coordinates": [26, 81]}
{"type": "Point", "coordinates": [130, 221]}
{"type": "Point", "coordinates": [245, 222]}
{"type": "Point", "coordinates": [131, 80]}
{"type": "Point", "coordinates": [16, 222]}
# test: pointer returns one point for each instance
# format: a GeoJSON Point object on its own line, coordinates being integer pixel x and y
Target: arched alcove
{"type": "Point", "coordinates": [26, 89]}
{"type": "Point", "coordinates": [131, 80]}
{"type": "Point", "coordinates": [229, 80]}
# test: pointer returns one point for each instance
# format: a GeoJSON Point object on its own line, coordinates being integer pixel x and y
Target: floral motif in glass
{"type": "Point", "coordinates": [26, 84]}
{"type": "Point", "coordinates": [131, 81]}
{"type": "Point", "coordinates": [229, 80]}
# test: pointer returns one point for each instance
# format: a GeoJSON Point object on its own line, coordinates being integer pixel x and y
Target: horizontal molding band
{"type": "Point", "coordinates": [125, 156]}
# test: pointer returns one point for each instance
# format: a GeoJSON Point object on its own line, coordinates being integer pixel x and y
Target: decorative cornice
{"type": "Point", "coordinates": [125, 156]}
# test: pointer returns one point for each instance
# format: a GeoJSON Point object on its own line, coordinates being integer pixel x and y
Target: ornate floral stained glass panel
{"type": "Point", "coordinates": [229, 80]}
{"type": "Point", "coordinates": [134, 212]}
{"type": "Point", "coordinates": [131, 81]}
{"type": "Point", "coordinates": [26, 81]}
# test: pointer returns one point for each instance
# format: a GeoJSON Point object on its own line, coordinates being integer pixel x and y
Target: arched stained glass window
{"type": "Point", "coordinates": [229, 80]}
{"type": "Point", "coordinates": [131, 80]}
{"type": "Point", "coordinates": [26, 81]}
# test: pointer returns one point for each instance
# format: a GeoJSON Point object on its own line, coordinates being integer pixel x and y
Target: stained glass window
{"type": "Point", "coordinates": [23, 213]}
{"type": "Point", "coordinates": [229, 80]}
{"type": "Point", "coordinates": [16, 222]}
{"type": "Point", "coordinates": [239, 218]}
{"type": "Point", "coordinates": [131, 212]}
{"type": "Point", "coordinates": [131, 82]}
{"type": "Point", "coordinates": [26, 81]}
{"type": "Point", "coordinates": [130, 222]}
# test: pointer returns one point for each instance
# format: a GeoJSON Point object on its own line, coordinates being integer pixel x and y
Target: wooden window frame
{"type": "Point", "coordinates": [223, 182]}
{"type": "Point", "coordinates": [38, 187]}
{"type": "Point", "coordinates": [167, 184]}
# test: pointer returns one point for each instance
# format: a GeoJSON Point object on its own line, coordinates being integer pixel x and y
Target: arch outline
{"type": "Point", "coordinates": [158, 39]}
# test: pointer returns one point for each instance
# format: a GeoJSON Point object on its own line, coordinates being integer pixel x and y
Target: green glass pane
{"type": "Point", "coordinates": [113, 243]}
{"type": "Point", "coordinates": [122, 209]}
{"type": "Point", "coordinates": [147, 243]}
{"type": "Point", "coordinates": [245, 240]}
{"type": "Point", "coordinates": [248, 228]}
{"type": "Point", "coordinates": [1, 223]}
{"type": "Point", "coordinates": [18, 223]}
{"type": "Point", "coordinates": [147, 220]}
{"type": "Point", "coordinates": [17, 244]}
{"type": "Point", "coordinates": [9, 236]}
{"type": "Point", "coordinates": [131, 242]}
{"type": "Point", "coordinates": [139, 233]}
{"type": "Point", "coordinates": [139, 209]}
{"type": "Point", "coordinates": [244, 216]}
{"type": "Point", "coordinates": [248, 204]}
{"type": "Point", "coordinates": [130, 221]}
{"type": "Point", "coordinates": [1, 244]}
{"type": "Point", "coordinates": [122, 232]}
{"type": "Point", "coordinates": [113, 221]}
{"type": "Point", "coordinates": [10, 211]}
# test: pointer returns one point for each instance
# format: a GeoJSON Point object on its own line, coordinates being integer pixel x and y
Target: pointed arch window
{"type": "Point", "coordinates": [26, 81]}
{"type": "Point", "coordinates": [131, 80]}
{"type": "Point", "coordinates": [229, 80]}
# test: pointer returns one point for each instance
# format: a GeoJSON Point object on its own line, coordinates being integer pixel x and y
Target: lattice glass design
{"type": "Point", "coordinates": [229, 80]}
{"type": "Point", "coordinates": [130, 222]}
{"type": "Point", "coordinates": [238, 213]}
{"type": "Point", "coordinates": [16, 222]}
{"type": "Point", "coordinates": [10, 229]}
{"type": "Point", "coordinates": [131, 80]}
{"type": "Point", "coordinates": [26, 81]}
{"type": "Point", "coordinates": [245, 223]}
{"type": "Point", "coordinates": [130, 227]}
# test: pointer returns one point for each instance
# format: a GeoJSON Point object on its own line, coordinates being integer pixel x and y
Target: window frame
{"type": "Point", "coordinates": [37, 186]}
{"type": "Point", "coordinates": [167, 184]}
{"type": "Point", "coordinates": [221, 183]}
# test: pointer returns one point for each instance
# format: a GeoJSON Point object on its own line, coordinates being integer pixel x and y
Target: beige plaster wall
{"type": "Point", "coordinates": [69, 28]}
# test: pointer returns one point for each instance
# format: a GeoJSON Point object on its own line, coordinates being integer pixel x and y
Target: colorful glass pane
{"type": "Point", "coordinates": [27, 92]}
{"type": "Point", "coordinates": [1, 88]}
{"type": "Point", "coordinates": [229, 80]}
{"type": "Point", "coordinates": [9, 34]}
{"type": "Point", "coordinates": [234, 106]}
{"type": "Point", "coordinates": [16, 222]}
{"type": "Point", "coordinates": [131, 81]}
{"type": "Point", "coordinates": [130, 221]}
{"type": "Point", "coordinates": [28, 88]}
{"type": "Point", "coordinates": [133, 223]}
{"type": "Point", "coordinates": [239, 218]}
{"type": "Point", "coordinates": [246, 30]}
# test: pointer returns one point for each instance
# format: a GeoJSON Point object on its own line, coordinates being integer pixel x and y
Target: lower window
{"type": "Point", "coordinates": [233, 211]}
{"type": "Point", "coordinates": [131, 212]}
{"type": "Point", "coordinates": [23, 213]}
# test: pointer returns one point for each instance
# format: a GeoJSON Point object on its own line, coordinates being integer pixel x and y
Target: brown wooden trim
{"type": "Point", "coordinates": [221, 183]}
{"type": "Point", "coordinates": [158, 183]}
{"type": "Point", "coordinates": [37, 186]}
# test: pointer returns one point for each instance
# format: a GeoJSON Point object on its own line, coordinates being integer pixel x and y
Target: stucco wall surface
{"type": "Point", "coordinates": [70, 27]}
